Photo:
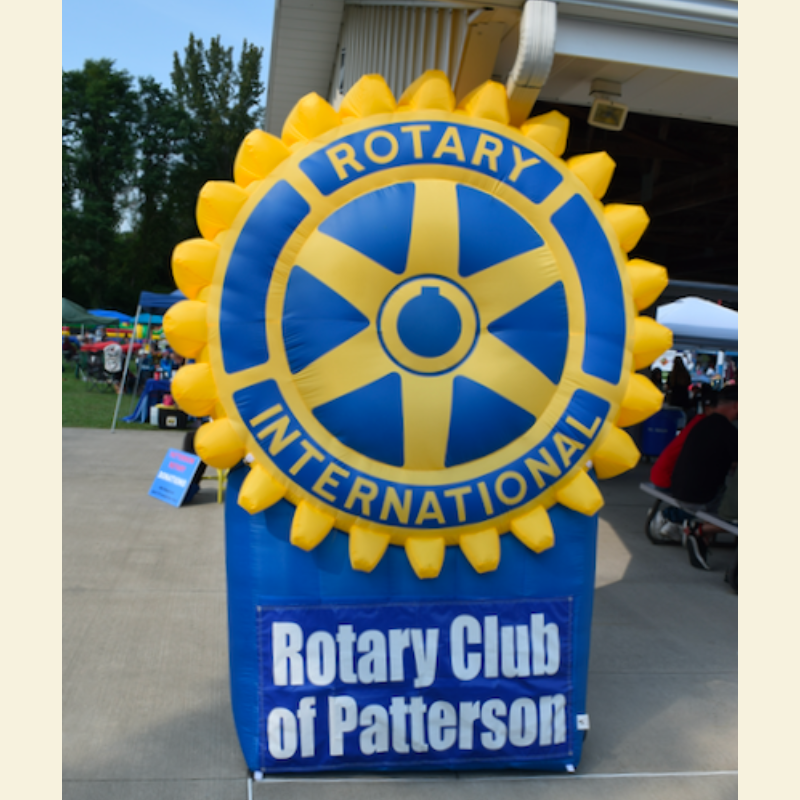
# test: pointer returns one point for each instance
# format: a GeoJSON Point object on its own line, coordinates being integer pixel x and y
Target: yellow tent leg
{"type": "Point", "coordinates": [222, 478]}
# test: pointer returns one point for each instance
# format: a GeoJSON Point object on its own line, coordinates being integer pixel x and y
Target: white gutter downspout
{"type": "Point", "coordinates": [537, 42]}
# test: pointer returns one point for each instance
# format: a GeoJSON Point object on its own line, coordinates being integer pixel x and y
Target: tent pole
{"type": "Point", "coordinates": [125, 371]}
{"type": "Point", "coordinates": [145, 338]}
{"type": "Point", "coordinates": [135, 390]}
{"type": "Point", "coordinates": [138, 377]}
{"type": "Point", "coordinates": [136, 384]}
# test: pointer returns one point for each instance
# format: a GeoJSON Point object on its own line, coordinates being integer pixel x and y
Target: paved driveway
{"type": "Point", "coordinates": [146, 709]}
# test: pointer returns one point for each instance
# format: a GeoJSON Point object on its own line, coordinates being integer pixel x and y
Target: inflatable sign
{"type": "Point", "coordinates": [417, 328]}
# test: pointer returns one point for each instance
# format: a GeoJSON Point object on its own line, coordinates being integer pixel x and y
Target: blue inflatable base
{"type": "Point", "coordinates": [310, 688]}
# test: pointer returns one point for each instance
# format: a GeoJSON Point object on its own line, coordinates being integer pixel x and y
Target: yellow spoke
{"type": "Point", "coordinates": [360, 280]}
{"type": "Point", "coordinates": [434, 231]}
{"type": "Point", "coordinates": [251, 376]}
{"type": "Point", "coordinates": [504, 371]}
{"type": "Point", "coordinates": [354, 364]}
{"type": "Point", "coordinates": [509, 284]}
{"type": "Point", "coordinates": [427, 401]}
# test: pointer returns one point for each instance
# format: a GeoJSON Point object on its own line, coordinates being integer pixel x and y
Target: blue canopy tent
{"type": "Point", "coordinates": [154, 303]}
{"type": "Point", "coordinates": [118, 315]}
{"type": "Point", "coordinates": [149, 303]}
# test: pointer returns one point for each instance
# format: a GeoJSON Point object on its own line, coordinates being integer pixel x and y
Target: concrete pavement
{"type": "Point", "coordinates": [146, 708]}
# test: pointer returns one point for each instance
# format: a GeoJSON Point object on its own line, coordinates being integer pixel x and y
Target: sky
{"type": "Point", "coordinates": [140, 36]}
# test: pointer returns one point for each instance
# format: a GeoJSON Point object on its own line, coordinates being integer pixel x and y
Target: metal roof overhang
{"type": "Point", "coordinates": [676, 58]}
{"type": "Point", "coordinates": [305, 35]}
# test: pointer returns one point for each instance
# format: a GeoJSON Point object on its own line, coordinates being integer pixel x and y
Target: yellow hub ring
{"type": "Point", "coordinates": [400, 302]}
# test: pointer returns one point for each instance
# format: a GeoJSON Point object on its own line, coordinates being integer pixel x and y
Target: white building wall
{"type": "Point", "coordinates": [399, 42]}
{"type": "Point", "coordinates": [676, 58]}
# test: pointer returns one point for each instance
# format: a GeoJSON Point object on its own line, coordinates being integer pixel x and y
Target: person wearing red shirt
{"type": "Point", "coordinates": [667, 525]}
{"type": "Point", "coordinates": [661, 471]}
{"type": "Point", "coordinates": [700, 474]}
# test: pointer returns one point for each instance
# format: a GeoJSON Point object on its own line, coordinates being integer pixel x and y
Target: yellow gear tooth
{"type": "Point", "coordinates": [203, 356]}
{"type": "Point", "coordinates": [186, 328]}
{"type": "Point", "coordinates": [595, 170]}
{"type": "Point", "coordinates": [203, 294]}
{"type": "Point", "coordinates": [650, 340]}
{"type": "Point", "coordinates": [259, 490]}
{"type": "Point", "coordinates": [310, 117]}
{"type": "Point", "coordinates": [194, 389]}
{"type": "Point", "coordinates": [581, 494]}
{"type": "Point", "coordinates": [193, 264]}
{"type": "Point", "coordinates": [549, 130]}
{"type": "Point", "coordinates": [366, 548]}
{"type": "Point", "coordinates": [309, 526]}
{"type": "Point", "coordinates": [628, 222]}
{"type": "Point", "coordinates": [648, 280]}
{"type": "Point", "coordinates": [616, 454]}
{"type": "Point", "coordinates": [259, 153]}
{"type": "Point", "coordinates": [482, 549]}
{"type": "Point", "coordinates": [217, 206]}
{"type": "Point", "coordinates": [488, 101]}
{"type": "Point", "coordinates": [642, 399]}
{"type": "Point", "coordinates": [534, 530]}
{"type": "Point", "coordinates": [426, 555]}
{"type": "Point", "coordinates": [369, 95]}
{"type": "Point", "coordinates": [430, 91]}
{"type": "Point", "coordinates": [219, 444]}
{"type": "Point", "coordinates": [223, 236]}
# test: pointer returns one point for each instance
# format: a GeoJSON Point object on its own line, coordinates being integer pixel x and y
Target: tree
{"type": "Point", "coordinates": [99, 111]}
{"type": "Point", "coordinates": [154, 213]}
{"type": "Point", "coordinates": [221, 104]}
{"type": "Point", "coordinates": [134, 160]}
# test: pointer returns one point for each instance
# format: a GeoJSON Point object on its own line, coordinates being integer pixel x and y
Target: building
{"type": "Point", "coordinates": [672, 65]}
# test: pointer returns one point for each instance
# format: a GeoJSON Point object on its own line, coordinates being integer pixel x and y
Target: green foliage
{"type": "Point", "coordinates": [134, 158]}
{"type": "Point", "coordinates": [219, 100]}
{"type": "Point", "coordinates": [99, 109]}
{"type": "Point", "coordinates": [154, 206]}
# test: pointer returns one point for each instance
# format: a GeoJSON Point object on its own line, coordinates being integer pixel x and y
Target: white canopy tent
{"type": "Point", "coordinates": [700, 324]}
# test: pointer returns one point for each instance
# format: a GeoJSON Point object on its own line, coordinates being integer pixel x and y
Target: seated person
{"type": "Point", "coordinates": [147, 367]}
{"type": "Point", "coordinates": [709, 453]}
{"type": "Point", "coordinates": [661, 471]}
{"type": "Point", "coordinates": [668, 524]}
{"type": "Point", "coordinates": [165, 366]}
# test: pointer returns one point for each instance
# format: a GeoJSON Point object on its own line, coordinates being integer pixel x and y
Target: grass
{"type": "Point", "coordinates": [84, 407]}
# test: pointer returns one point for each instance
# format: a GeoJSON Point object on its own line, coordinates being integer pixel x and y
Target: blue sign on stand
{"type": "Point", "coordinates": [175, 476]}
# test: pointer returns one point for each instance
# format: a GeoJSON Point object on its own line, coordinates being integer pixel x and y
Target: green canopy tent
{"type": "Point", "coordinates": [74, 315]}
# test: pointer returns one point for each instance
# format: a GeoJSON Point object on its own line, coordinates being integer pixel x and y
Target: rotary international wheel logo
{"type": "Point", "coordinates": [416, 323]}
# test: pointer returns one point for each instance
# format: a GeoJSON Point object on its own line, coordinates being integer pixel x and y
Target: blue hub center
{"type": "Point", "coordinates": [429, 325]}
